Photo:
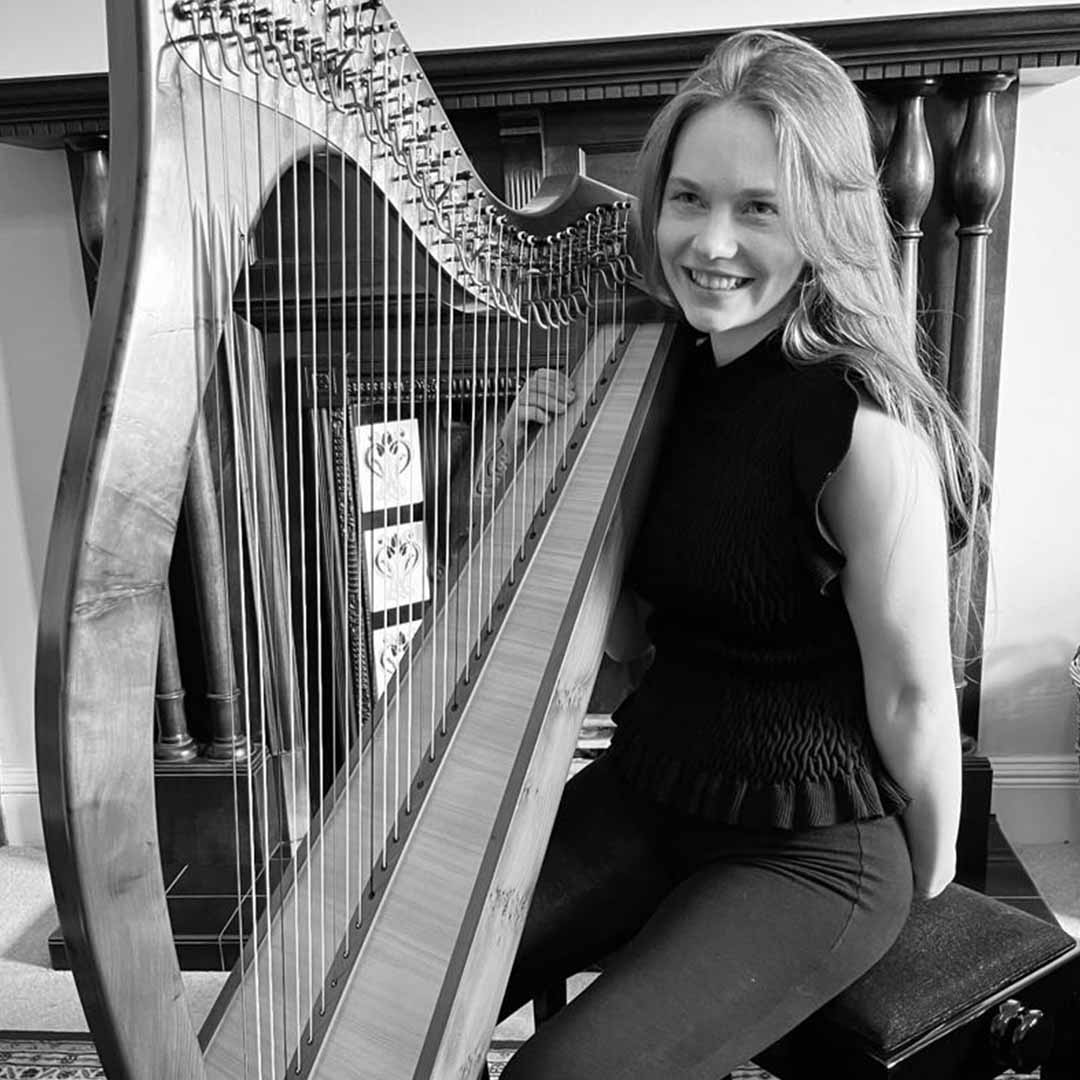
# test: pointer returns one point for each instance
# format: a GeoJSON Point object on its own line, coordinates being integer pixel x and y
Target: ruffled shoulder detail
{"type": "Point", "coordinates": [824, 416]}
{"type": "Point", "coordinates": [733, 800]}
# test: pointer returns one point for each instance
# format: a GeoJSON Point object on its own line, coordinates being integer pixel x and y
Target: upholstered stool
{"type": "Point", "coordinates": [972, 987]}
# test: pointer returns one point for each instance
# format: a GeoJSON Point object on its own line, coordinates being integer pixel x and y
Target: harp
{"type": "Point", "coordinates": [375, 938]}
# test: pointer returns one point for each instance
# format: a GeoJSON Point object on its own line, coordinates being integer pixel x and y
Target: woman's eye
{"type": "Point", "coordinates": [760, 209]}
{"type": "Point", "coordinates": [687, 198]}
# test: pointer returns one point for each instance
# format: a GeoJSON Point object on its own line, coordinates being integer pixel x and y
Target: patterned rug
{"type": "Point", "coordinates": [46, 1055]}
{"type": "Point", "coordinates": [50, 1055]}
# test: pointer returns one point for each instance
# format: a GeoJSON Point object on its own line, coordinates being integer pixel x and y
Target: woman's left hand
{"type": "Point", "coordinates": [933, 883]}
{"type": "Point", "coordinates": [546, 394]}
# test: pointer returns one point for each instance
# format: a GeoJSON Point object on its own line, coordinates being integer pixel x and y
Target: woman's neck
{"type": "Point", "coordinates": [729, 345]}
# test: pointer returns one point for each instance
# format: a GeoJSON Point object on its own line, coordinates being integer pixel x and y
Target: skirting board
{"type": "Point", "coordinates": [1037, 797]}
{"type": "Point", "coordinates": [19, 808]}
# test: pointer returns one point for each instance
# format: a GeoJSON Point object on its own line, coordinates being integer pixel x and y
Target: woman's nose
{"type": "Point", "coordinates": [716, 238]}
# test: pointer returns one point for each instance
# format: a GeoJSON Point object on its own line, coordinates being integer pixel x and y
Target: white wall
{"type": "Point", "coordinates": [1034, 618]}
{"type": "Point", "coordinates": [1033, 621]}
{"type": "Point", "coordinates": [43, 327]}
{"type": "Point", "coordinates": [436, 24]}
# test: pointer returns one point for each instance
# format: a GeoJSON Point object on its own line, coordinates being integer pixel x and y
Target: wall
{"type": "Point", "coordinates": [434, 24]}
{"type": "Point", "coordinates": [43, 327]}
{"type": "Point", "coordinates": [1033, 622]}
{"type": "Point", "coordinates": [1034, 617]}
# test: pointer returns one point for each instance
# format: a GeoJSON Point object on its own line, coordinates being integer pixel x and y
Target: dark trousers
{"type": "Point", "coordinates": [715, 940]}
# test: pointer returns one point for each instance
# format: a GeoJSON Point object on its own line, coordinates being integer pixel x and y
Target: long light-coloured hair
{"type": "Point", "coordinates": [849, 310]}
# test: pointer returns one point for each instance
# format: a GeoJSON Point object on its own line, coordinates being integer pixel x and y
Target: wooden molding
{"type": "Point", "coordinates": [45, 112]}
{"type": "Point", "coordinates": [652, 67]}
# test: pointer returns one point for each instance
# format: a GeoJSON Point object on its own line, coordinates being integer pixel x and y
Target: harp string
{"type": "Point", "coordinates": [298, 723]}
{"type": "Point", "coordinates": [274, 652]}
{"type": "Point", "coordinates": [345, 525]}
{"type": "Point", "coordinates": [363, 620]}
{"type": "Point", "coordinates": [320, 454]}
{"type": "Point", "coordinates": [402, 510]}
{"type": "Point", "coordinates": [223, 274]}
{"type": "Point", "coordinates": [335, 547]}
{"type": "Point", "coordinates": [385, 170]}
{"type": "Point", "coordinates": [304, 470]}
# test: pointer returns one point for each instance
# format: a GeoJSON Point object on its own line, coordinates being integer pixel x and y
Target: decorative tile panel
{"type": "Point", "coordinates": [388, 465]}
{"type": "Point", "coordinates": [389, 645]}
{"type": "Point", "coordinates": [397, 565]}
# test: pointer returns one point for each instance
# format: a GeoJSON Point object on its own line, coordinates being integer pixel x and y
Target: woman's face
{"type": "Point", "coordinates": [727, 253]}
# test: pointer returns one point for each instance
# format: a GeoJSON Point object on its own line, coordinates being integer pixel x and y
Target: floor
{"type": "Point", "coordinates": [34, 997]}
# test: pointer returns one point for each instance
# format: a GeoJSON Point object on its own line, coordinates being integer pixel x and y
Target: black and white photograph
{"type": "Point", "coordinates": [539, 542]}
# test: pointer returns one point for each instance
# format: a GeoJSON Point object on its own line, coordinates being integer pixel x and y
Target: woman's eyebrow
{"type": "Point", "coordinates": [744, 193]}
{"type": "Point", "coordinates": [685, 181]}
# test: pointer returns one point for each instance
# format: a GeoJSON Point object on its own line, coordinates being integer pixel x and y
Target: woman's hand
{"type": "Point", "coordinates": [546, 394]}
{"type": "Point", "coordinates": [932, 882]}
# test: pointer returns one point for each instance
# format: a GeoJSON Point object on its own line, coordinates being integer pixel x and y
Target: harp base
{"type": "Point", "coordinates": [205, 852]}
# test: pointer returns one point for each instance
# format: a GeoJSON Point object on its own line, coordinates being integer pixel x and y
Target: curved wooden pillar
{"type": "Point", "coordinates": [908, 177]}
{"type": "Point", "coordinates": [977, 181]}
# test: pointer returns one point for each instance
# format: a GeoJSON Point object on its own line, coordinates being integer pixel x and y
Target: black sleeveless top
{"type": "Point", "coordinates": [754, 710]}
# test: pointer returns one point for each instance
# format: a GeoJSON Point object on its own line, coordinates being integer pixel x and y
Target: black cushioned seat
{"type": "Point", "coordinates": [954, 952]}
{"type": "Point", "coordinates": [934, 1007]}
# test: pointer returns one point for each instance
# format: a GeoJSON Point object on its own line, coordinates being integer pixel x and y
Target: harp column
{"type": "Point", "coordinates": [88, 162]}
{"type": "Point", "coordinates": [908, 176]}
{"type": "Point", "coordinates": [977, 181]}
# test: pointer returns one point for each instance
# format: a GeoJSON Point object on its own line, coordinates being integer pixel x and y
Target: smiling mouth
{"type": "Point", "coordinates": [717, 282]}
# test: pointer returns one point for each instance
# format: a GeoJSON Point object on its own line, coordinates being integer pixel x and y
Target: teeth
{"type": "Point", "coordinates": [716, 282]}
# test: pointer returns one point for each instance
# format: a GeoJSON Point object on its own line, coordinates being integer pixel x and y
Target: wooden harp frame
{"type": "Point", "coordinates": [154, 337]}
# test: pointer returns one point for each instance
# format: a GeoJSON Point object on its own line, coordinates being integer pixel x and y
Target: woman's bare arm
{"type": "Point", "coordinates": [885, 510]}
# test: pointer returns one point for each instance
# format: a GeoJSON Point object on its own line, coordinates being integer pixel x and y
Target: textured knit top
{"type": "Point", "coordinates": [753, 711]}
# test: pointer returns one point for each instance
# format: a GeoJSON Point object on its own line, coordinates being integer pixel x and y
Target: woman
{"type": "Point", "coordinates": [787, 775]}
